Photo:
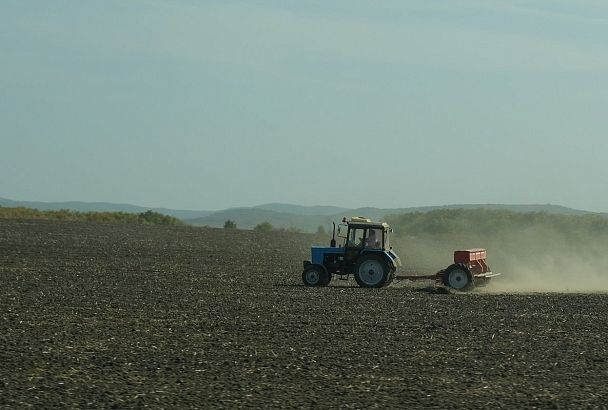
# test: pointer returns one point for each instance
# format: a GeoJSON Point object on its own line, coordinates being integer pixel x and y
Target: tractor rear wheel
{"type": "Point", "coordinates": [315, 276]}
{"type": "Point", "coordinates": [371, 271]}
{"type": "Point", "coordinates": [391, 277]}
{"type": "Point", "coordinates": [458, 277]}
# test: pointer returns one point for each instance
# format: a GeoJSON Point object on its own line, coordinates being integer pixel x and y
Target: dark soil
{"type": "Point", "coordinates": [101, 315]}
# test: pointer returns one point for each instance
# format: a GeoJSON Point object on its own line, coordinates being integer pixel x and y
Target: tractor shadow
{"type": "Point", "coordinates": [433, 290]}
{"type": "Point", "coordinates": [301, 285]}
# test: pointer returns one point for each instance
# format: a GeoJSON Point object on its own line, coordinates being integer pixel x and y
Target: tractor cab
{"type": "Point", "coordinates": [362, 233]}
{"type": "Point", "coordinates": [364, 251]}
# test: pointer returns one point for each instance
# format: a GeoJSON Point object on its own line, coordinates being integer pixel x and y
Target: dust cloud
{"type": "Point", "coordinates": [530, 260]}
{"type": "Point", "coordinates": [555, 275]}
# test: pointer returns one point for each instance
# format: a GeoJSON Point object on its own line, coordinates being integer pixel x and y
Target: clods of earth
{"type": "Point", "coordinates": [105, 315]}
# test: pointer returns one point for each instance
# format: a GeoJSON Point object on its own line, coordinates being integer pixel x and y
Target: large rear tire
{"type": "Point", "coordinates": [371, 271]}
{"type": "Point", "coordinates": [458, 277]}
{"type": "Point", "coordinates": [391, 277]}
{"type": "Point", "coordinates": [315, 276]}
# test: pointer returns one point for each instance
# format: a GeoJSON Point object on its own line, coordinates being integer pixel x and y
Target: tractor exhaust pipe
{"type": "Point", "coordinates": [332, 243]}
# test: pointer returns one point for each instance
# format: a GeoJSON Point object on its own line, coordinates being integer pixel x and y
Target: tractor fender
{"type": "Point", "coordinates": [392, 262]}
{"type": "Point", "coordinates": [394, 258]}
{"type": "Point", "coordinates": [307, 264]}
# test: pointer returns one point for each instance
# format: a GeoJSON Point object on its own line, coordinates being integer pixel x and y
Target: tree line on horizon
{"type": "Point", "coordinates": [263, 227]}
{"type": "Point", "coordinates": [431, 223]}
{"type": "Point", "coordinates": [143, 218]}
{"type": "Point", "coordinates": [473, 222]}
{"type": "Point", "coordinates": [486, 221]}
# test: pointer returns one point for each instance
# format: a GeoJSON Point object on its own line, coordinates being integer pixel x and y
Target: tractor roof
{"type": "Point", "coordinates": [361, 222]}
{"type": "Point", "coordinates": [378, 225]}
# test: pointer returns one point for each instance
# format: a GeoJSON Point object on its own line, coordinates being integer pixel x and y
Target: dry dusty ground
{"type": "Point", "coordinates": [96, 315]}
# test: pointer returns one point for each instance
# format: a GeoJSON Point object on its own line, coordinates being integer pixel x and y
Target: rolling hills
{"type": "Point", "coordinates": [280, 215]}
{"type": "Point", "coordinates": [100, 207]}
{"type": "Point", "coordinates": [305, 219]}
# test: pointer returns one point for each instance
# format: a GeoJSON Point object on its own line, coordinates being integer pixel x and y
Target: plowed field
{"type": "Point", "coordinates": [101, 315]}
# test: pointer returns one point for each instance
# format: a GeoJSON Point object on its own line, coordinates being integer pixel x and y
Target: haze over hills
{"type": "Point", "coordinates": [100, 207]}
{"type": "Point", "coordinates": [303, 217]}
{"type": "Point", "coordinates": [302, 209]}
{"type": "Point", "coordinates": [247, 218]}
{"type": "Point", "coordinates": [280, 215]}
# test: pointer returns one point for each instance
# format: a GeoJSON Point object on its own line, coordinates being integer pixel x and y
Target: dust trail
{"type": "Point", "coordinates": [549, 261]}
{"type": "Point", "coordinates": [530, 260]}
{"type": "Point", "coordinates": [559, 276]}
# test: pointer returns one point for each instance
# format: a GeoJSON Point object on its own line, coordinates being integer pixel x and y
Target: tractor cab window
{"type": "Point", "coordinates": [374, 238]}
{"type": "Point", "coordinates": [342, 233]}
{"type": "Point", "coordinates": [387, 244]}
{"type": "Point", "coordinates": [356, 238]}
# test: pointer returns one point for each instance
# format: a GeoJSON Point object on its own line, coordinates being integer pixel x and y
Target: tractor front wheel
{"type": "Point", "coordinates": [458, 277]}
{"type": "Point", "coordinates": [315, 276]}
{"type": "Point", "coordinates": [371, 271]}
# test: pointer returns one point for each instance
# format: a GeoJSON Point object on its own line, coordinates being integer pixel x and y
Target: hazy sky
{"type": "Point", "coordinates": [213, 104]}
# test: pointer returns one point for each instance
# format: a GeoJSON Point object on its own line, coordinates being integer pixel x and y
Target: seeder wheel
{"type": "Point", "coordinates": [458, 277]}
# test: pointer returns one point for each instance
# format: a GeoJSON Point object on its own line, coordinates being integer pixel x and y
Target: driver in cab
{"type": "Point", "coordinates": [371, 241]}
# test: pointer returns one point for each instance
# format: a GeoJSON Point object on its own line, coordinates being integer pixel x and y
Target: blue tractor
{"type": "Point", "coordinates": [365, 253]}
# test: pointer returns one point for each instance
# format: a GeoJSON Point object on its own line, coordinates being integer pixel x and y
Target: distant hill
{"type": "Point", "coordinates": [381, 213]}
{"type": "Point", "coordinates": [305, 218]}
{"type": "Point", "coordinates": [100, 207]}
{"type": "Point", "coordinates": [302, 210]}
{"type": "Point", "coordinates": [309, 218]}
{"type": "Point", "coordinates": [547, 208]}
{"type": "Point", "coordinates": [247, 218]}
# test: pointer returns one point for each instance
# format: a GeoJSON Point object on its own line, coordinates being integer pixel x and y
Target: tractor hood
{"type": "Point", "coordinates": [317, 253]}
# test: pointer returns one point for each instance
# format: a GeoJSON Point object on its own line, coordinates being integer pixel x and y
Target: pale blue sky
{"type": "Point", "coordinates": [213, 104]}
